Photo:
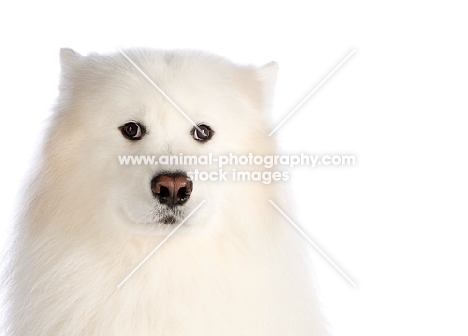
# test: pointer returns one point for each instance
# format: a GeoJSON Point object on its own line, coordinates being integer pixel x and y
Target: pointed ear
{"type": "Point", "coordinates": [69, 59]}
{"type": "Point", "coordinates": [267, 76]}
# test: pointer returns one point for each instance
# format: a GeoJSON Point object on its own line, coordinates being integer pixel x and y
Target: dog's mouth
{"type": "Point", "coordinates": [171, 216]}
{"type": "Point", "coordinates": [169, 220]}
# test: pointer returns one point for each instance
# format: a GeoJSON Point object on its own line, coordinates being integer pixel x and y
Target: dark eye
{"type": "Point", "coordinates": [133, 130]}
{"type": "Point", "coordinates": [202, 133]}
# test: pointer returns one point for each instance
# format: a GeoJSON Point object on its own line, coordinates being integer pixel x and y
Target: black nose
{"type": "Point", "coordinates": [171, 189]}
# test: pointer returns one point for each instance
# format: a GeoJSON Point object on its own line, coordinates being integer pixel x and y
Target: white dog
{"type": "Point", "coordinates": [235, 267]}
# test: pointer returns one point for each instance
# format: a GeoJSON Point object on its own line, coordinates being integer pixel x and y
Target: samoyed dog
{"type": "Point", "coordinates": [235, 266]}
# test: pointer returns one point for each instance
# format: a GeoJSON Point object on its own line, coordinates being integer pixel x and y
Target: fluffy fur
{"type": "Point", "coordinates": [234, 268]}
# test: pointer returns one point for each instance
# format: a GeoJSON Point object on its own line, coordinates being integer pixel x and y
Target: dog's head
{"type": "Point", "coordinates": [151, 103]}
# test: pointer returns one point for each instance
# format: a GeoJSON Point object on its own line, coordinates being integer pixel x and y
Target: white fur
{"type": "Point", "coordinates": [235, 268]}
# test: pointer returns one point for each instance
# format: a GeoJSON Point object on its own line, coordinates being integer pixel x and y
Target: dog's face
{"type": "Point", "coordinates": [110, 110]}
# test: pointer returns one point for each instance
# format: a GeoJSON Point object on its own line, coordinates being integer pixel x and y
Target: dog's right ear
{"type": "Point", "coordinates": [69, 59]}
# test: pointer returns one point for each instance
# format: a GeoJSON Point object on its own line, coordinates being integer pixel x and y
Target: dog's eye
{"type": "Point", "coordinates": [202, 133]}
{"type": "Point", "coordinates": [132, 131]}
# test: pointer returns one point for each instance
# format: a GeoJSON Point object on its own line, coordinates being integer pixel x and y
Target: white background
{"type": "Point", "coordinates": [395, 222]}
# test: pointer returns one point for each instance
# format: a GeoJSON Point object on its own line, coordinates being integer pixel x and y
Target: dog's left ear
{"type": "Point", "coordinates": [267, 75]}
